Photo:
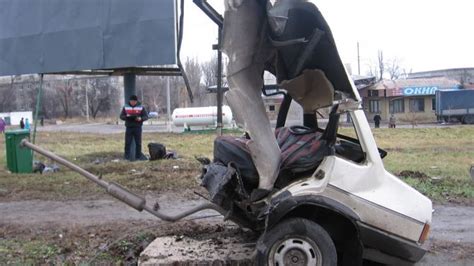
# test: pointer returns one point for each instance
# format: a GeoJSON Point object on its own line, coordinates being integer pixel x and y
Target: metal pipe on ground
{"type": "Point", "coordinates": [133, 200]}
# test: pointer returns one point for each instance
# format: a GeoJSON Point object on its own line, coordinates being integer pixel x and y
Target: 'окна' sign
{"type": "Point", "coordinates": [419, 91]}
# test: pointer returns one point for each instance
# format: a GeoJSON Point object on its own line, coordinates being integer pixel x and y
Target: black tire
{"type": "Point", "coordinates": [297, 240]}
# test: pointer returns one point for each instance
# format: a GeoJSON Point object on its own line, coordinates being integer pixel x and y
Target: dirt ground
{"type": "Point", "coordinates": [105, 230]}
{"type": "Point", "coordinates": [91, 231]}
{"type": "Point", "coordinates": [62, 218]}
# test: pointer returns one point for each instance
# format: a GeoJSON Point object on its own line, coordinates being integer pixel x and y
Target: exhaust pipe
{"type": "Point", "coordinates": [117, 191]}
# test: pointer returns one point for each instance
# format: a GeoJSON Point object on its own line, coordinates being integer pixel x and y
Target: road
{"type": "Point", "coordinates": [451, 239]}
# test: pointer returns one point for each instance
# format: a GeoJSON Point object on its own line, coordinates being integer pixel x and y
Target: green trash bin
{"type": "Point", "coordinates": [19, 159]}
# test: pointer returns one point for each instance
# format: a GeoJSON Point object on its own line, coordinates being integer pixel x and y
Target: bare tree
{"type": "Point", "coordinates": [97, 96]}
{"type": "Point", "coordinates": [209, 72]}
{"type": "Point", "coordinates": [154, 97]}
{"type": "Point", "coordinates": [381, 64]}
{"type": "Point", "coordinates": [154, 92]}
{"type": "Point", "coordinates": [193, 71]}
{"type": "Point", "coordinates": [372, 70]}
{"type": "Point", "coordinates": [210, 78]}
{"type": "Point", "coordinates": [101, 96]}
{"type": "Point", "coordinates": [393, 69]}
{"type": "Point", "coordinates": [50, 103]}
{"type": "Point", "coordinates": [65, 96]}
{"type": "Point", "coordinates": [7, 96]}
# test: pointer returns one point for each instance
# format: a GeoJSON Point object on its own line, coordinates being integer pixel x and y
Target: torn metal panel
{"type": "Point", "coordinates": [249, 108]}
{"type": "Point", "coordinates": [296, 44]}
{"type": "Point", "coordinates": [302, 90]}
{"type": "Point", "coordinates": [244, 35]}
{"type": "Point", "coordinates": [244, 45]}
{"type": "Point", "coordinates": [216, 180]}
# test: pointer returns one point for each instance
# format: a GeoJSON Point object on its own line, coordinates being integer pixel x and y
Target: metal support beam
{"type": "Point", "coordinates": [38, 106]}
{"type": "Point", "coordinates": [210, 12]}
{"type": "Point", "coordinates": [219, 20]}
{"type": "Point", "coordinates": [220, 93]}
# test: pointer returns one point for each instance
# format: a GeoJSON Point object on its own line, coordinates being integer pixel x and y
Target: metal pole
{"type": "Point", "coordinates": [87, 104]}
{"type": "Point", "coordinates": [38, 106]}
{"type": "Point", "coordinates": [168, 103]}
{"type": "Point", "coordinates": [219, 83]}
{"type": "Point", "coordinates": [131, 199]}
{"type": "Point", "coordinates": [219, 20]}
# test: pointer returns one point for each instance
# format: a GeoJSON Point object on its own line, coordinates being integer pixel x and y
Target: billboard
{"type": "Point", "coordinates": [45, 36]}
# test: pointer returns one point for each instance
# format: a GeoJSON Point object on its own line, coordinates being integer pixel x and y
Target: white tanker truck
{"type": "Point", "coordinates": [200, 116]}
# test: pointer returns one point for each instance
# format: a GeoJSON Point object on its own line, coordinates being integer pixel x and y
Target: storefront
{"type": "Point", "coordinates": [409, 100]}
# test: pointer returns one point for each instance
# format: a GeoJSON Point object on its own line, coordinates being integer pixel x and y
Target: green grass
{"type": "Point", "coordinates": [440, 158]}
{"type": "Point", "coordinates": [27, 252]}
{"type": "Point", "coordinates": [85, 149]}
{"type": "Point", "coordinates": [437, 152]}
{"type": "Point", "coordinates": [447, 189]}
{"type": "Point", "coordinates": [442, 153]}
{"type": "Point", "coordinates": [445, 155]}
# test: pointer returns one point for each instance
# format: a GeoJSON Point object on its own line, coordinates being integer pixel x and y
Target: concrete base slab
{"type": "Point", "coordinates": [173, 250]}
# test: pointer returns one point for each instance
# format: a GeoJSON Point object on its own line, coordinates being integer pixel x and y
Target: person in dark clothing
{"type": "Point", "coordinates": [134, 114]}
{"type": "Point", "coordinates": [22, 123]}
{"type": "Point", "coordinates": [377, 120]}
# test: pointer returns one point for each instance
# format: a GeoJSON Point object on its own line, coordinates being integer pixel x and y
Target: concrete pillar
{"type": "Point", "coordinates": [129, 81]}
{"type": "Point", "coordinates": [129, 86]}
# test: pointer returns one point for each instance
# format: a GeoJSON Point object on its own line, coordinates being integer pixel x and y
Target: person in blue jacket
{"type": "Point", "coordinates": [27, 124]}
{"type": "Point", "coordinates": [133, 113]}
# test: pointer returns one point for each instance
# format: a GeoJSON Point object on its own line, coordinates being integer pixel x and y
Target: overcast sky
{"type": "Point", "coordinates": [422, 34]}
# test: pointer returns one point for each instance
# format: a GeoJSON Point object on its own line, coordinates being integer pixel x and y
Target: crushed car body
{"type": "Point", "coordinates": [314, 195]}
{"type": "Point", "coordinates": [309, 171]}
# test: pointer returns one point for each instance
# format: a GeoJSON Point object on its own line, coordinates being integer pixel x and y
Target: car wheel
{"type": "Point", "coordinates": [296, 242]}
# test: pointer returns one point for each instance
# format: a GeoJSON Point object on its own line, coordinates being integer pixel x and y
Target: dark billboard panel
{"type": "Point", "coordinates": [44, 36]}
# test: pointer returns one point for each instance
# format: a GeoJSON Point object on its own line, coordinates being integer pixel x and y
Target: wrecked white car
{"type": "Point", "coordinates": [315, 196]}
{"type": "Point", "coordinates": [330, 201]}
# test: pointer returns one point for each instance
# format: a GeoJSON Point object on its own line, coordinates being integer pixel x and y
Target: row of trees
{"type": "Point", "coordinates": [63, 97]}
{"type": "Point", "coordinates": [200, 75]}
{"type": "Point", "coordinates": [66, 97]}
{"type": "Point", "coordinates": [387, 68]}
